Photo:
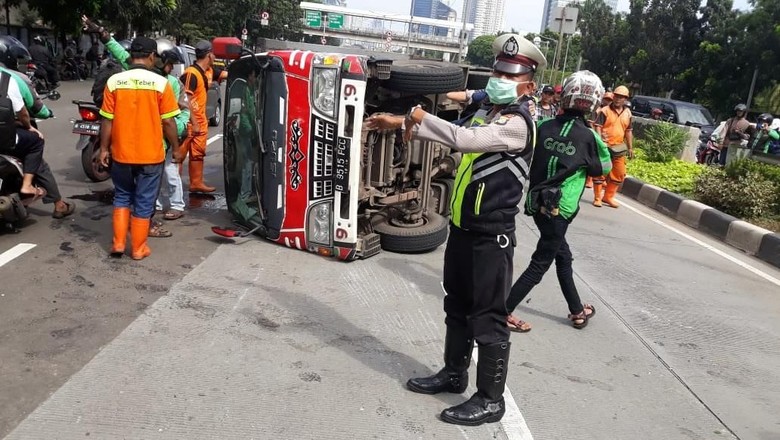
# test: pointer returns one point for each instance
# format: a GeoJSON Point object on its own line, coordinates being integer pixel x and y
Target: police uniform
{"type": "Point", "coordinates": [497, 145]}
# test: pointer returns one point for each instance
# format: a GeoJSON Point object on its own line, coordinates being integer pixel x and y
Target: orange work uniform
{"type": "Point", "coordinates": [615, 124]}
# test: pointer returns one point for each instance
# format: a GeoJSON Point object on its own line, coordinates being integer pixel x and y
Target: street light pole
{"type": "Point", "coordinates": [462, 36]}
{"type": "Point", "coordinates": [409, 29]}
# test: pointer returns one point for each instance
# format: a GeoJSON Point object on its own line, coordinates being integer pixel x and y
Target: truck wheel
{"type": "Point", "coordinates": [90, 162]}
{"type": "Point", "coordinates": [425, 78]}
{"type": "Point", "coordinates": [427, 237]}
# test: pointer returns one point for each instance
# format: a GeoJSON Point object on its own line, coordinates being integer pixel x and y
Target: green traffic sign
{"type": "Point", "coordinates": [335, 21]}
{"type": "Point", "coordinates": [313, 18]}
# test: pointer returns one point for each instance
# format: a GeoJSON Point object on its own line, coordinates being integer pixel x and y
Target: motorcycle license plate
{"type": "Point", "coordinates": [342, 165]}
{"type": "Point", "coordinates": [88, 128]}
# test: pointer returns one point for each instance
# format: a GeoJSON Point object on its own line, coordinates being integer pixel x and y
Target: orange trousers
{"type": "Point", "coordinates": [195, 144]}
{"type": "Point", "coordinates": [618, 173]}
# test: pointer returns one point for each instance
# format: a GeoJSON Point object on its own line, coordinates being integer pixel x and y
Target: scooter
{"type": "Point", "coordinates": [707, 153]}
{"type": "Point", "coordinates": [40, 80]}
{"type": "Point", "coordinates": [88, 129]}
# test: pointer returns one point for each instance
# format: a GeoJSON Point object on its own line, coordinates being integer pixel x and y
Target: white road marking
{"type": "Point", "coordinates": [213, 139]}
{"type": "Point", "coordinates": [710, 248]}
{"type": "Point", "coordinates": [8, 256]}
{"type": "Point", "coordinates": [513, 421]}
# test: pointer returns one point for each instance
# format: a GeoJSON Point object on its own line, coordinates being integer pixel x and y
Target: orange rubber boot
{"type": "Point", "coordinates": [121, 225]}
{"type": "Point", "coordinates": [139, 232]}
{"type": "Point", "coordinates": [609, 195]}
{"type": "Point", "coordinates": [597, 187]}
{"type": "Point", "coordinates": [196, 178]}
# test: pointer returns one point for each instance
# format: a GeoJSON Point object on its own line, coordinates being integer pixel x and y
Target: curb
{"type": "Point", "coordinates": [753, 240]}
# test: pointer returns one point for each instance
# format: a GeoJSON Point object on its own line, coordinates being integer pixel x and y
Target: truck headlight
{"type": "Point", "coordinates": [319, 224]}
{"type": "Point", "coordinates": [324, 91]}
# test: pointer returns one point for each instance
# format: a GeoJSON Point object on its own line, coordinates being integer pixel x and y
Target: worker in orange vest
{"type": "Point", "coordinates": [197, 79]}
{"type": "Point", "coordinates": [613, 123]}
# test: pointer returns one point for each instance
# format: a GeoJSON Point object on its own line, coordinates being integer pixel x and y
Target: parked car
{"type": "Point", "coordinates": [677, 112]}
{"type": "Point", "coordinates": [302, 168]}
{"type": "Point", "coordinates": [214, 100]}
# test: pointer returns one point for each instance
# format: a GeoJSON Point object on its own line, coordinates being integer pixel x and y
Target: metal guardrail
{"type": "Point", "coordinates": [397, 38]}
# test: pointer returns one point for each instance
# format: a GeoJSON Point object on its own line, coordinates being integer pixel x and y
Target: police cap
{"type": "Point", "coordinates": [516, 56]}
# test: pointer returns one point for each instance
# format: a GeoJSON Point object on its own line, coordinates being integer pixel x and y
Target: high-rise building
{"type": "Point", "coordinates": [436, 9]}
{"type": "Point", "coordinates": [487, 16]}
{"type": "Point", "coordinates": [548, 15]}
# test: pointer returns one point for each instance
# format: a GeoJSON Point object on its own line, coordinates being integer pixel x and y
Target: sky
{"type": "Point", "coordinates": [522, 15]}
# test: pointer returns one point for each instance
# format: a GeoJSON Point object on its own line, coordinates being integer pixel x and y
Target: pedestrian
{"type": "Point", "coordinates": [12, 54]}
{"type": "Point", "coordinates": [138, 106]}
{"type": "Point", "coordinates": [197, 80]}
{"type": "Point", "coordinates": [736, 134]}
{"type": "Point", "coordinates": [93, 58]}
{"type": "Point", "coordinates": [19, 138]}
{"type": "Point", "coordinates": [567, 150]}
{"type": "Point", "coordinates": [497, 145]}
{"type": "Point", "coordinates": [613, 124]}
{"type": "Point", "coordinates": [171, 192]}
{"type": "Point", "coordinates": [546, 108]}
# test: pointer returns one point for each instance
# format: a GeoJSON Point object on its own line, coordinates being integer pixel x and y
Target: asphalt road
{"type": "Point", "coordinates": [63, 300]}
{"type": "Point", "coordinates": [247, 339]}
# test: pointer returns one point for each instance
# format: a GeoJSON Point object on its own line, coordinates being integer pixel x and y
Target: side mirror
{"type": "Point", "coordinates": [54, 95]}
{"type": "Point", "coordinates": [229, 48]}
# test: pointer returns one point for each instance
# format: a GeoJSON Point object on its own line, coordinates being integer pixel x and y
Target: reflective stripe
{"type": "Point", "coordinates": [511, 166]}
{"type": "Point", "coordinates": [464, 175]}
{"type": "Point", "coordinates": [478, 203]}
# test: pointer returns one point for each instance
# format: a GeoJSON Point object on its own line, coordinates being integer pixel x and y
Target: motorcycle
{"type": "Point", "coordinates": [708, 152]}
{"type": "Point", "coordinates": [40, 80]}
{"type": "Point", "coordinates": [74, 69]}
{"type": "Point", "coordinates": [88, 129]}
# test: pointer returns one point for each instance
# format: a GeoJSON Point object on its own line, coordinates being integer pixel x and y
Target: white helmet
{"type": "Point", "coordinates": [582, 91]}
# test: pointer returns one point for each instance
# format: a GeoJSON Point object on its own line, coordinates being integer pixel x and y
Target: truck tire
{"type": "Point", "coordinates": [413, 240]}
{"type": "Point", "coordinates": [425, 78]}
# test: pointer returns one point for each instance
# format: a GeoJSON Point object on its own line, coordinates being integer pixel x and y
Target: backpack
{"type": "Point", "coordinates": [7, 115]}
{"type": "Point", "coordinates": [101, 79]}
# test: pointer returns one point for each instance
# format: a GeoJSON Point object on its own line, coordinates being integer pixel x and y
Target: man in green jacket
{"type": "Point", "coordinates": [12, 55]}
{"type": "Point", "coordinates": [764, 134]}
{"type": "Point", "coordinates": [567, 150]}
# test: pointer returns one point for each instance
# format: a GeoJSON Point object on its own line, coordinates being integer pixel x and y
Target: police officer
{"type": "Point", "coordinates": [497, 144]}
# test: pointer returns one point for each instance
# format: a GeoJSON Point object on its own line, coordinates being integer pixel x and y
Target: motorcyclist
{"type": "Point", "coordinates": [44, 59]}
{"type": "Point", "coordinates": [13, 54]}
{"type": "Point", "coordinates": [736, 133]}
{"type": "Point", "coordinates": [764, 134]}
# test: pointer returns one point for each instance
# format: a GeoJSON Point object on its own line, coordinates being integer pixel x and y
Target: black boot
{"type": "Point", "coordinates": [487, 404]}
{"type": "Point", "coordinates": [454, 377]}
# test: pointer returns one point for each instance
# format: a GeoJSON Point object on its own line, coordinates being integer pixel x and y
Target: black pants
{"type": "Point", "coordinates": [477, 277]}
{"type": "Point", "coordinates": [51, 73]}
{"type": "Point", "coordinates": [552, 246]}
{"type": "Point", "coordinates": [45, 179]}
{"type": "Point", "coordinates": [28, 149]}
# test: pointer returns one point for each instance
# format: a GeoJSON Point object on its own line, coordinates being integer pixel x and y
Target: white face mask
{"type": "Point", "coordinates": [502, 90]}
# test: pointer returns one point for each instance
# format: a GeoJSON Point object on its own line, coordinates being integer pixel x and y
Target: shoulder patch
{"type": "Point", "coordinates": [504, 119]}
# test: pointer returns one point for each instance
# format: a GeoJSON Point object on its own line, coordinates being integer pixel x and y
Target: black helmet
{"type": "Point", "coordinates": [740, 108]}
{"type": "Point", "coordinates": [765, 118]}
{"type": "Point", "coordinates": [126, 44]}
{"type": "Point", "coordinates": [167, 52]}
{"type": "Point", "coordinates": [13, 53]}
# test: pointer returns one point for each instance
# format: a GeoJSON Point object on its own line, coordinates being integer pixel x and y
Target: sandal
{"type": "Point", "coordinates": [70, 208]}
{"type": "Point", "coordinates": [173, 214]}
{"type": "Point", "coordinates": [580, 320]}
{"type": "Point", "coordinates": [156, 230]}
{"type": "Point", "coordinates": [517, 325]}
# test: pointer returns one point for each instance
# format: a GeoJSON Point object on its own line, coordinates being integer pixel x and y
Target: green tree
{"type": "Point", "coordinates": [481, 51]}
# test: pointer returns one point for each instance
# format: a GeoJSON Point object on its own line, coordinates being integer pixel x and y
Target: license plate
{"type": "Point", "coordinates": [88, 128]}
{"type": "Point", "coordinates": [342, 165]}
